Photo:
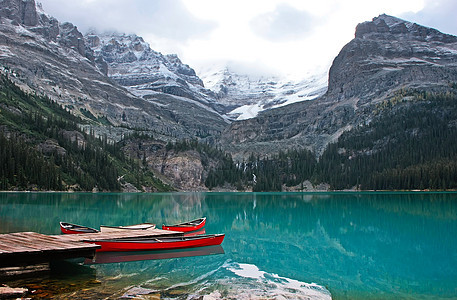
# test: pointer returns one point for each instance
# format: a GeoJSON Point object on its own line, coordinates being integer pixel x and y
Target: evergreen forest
{"type": "Point", "coordinates": [408, 143]}
{"type": "Point", "coordinates": [43, 147]}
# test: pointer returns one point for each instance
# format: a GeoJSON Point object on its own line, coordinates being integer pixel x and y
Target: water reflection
{"type": "Point", "coordinates": [388, 245]}
{"type": "Point", "coordinates": [117, 257]}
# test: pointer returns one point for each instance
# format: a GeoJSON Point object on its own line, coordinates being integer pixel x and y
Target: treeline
{"type": "Point", "coordinates": [261, 174]}
{"type": "Point", "coordinates": [288, 168]}
{"type": "Point", "coordinates": [409, 144]}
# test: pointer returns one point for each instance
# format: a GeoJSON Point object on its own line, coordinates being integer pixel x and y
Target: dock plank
{"type": "Point", "coordinates": [7, 246]}
{"type": "Point", "coordinates": [53, 242]}
{"type": "Point", "coordinates": [25, 248]}
{"type": "Point", "coordinates": [19, 245]}
{"type": "Point", "coordinates": [31, 242]}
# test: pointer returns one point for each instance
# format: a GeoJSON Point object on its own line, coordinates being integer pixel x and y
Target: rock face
{"type": "Point", "coordinates": [47, 57]}
{"type": "Point", "coordinates": [73, 39]}
{"type": "Point", "coordinates": [21, 12]}
{"type": "Point", "coordinates": [387, 54]}
{"type": "Point", "coordinates": [184, 170]}
{"type": "Point", "coordinates": [144, 72]}
{"type": "Point", "coordinates": [160, 79]}
{"type": "Point", "coordinates": [118, 80]}
{"type": "Point", "coordinates": [26, 13]}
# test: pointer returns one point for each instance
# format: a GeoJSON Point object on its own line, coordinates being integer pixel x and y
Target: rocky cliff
{"type": "Point", "coordinates": [116, 83]}
{"type": "Point", "coordinates": [51, 58]}
{"type": "Point", "coordinates": [185, 170]}
{"type": "Point", "coordinates": [387, 54]}
{"type": "Point", "coordinates": [134, 65]}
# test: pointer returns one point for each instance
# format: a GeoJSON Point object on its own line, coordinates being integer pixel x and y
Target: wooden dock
{"type": "Point", "coordinates": [28, 248]}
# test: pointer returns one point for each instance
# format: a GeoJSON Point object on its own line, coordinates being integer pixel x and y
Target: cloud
{"type": "Point", "coordinates": [291, 36]}
{"type": "Point", "coordinates": [283, 24]}
{"type": "Point", "coordinates": [438, 14]}
{"type": "Point", "coordinates": [168, 19]}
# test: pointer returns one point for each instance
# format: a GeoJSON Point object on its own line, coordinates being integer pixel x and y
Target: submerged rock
{"type": "Point", "coordinates": [7, 292]}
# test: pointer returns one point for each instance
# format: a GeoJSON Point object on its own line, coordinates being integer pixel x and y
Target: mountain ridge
{"type": "Point", "coordinates": [76, 78]}
{"type": "Point", "coordinates": [368, 70]}
{"type": "Point", "coordinates": [119, 87]}
{"type": "Point", "coordinates": [133, 64]}
{"type": "Point", "coordinates": [387, 53]}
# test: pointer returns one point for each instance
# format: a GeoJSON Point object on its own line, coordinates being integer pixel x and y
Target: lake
{"type": "Point", "coordinates": [277, 245]}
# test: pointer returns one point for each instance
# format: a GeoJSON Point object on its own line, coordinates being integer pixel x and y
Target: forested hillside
{"type": "Point", "coordinates": [43, 148]}
{"type": "Point", "coordinates": [409, 144]}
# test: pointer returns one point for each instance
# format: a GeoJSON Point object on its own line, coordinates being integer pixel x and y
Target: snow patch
{"type": "Point", "coordinates": [252, 94]}
{"type": "Point", "coordinates": [6, 52]}
{"type": "Point", "coordinates": [246, 112]}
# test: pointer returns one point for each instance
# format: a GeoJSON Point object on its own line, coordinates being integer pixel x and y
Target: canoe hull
{"type": "Point", "coordinates": [142, 226]}
{"type": "Point", "coordinates": [159, 243]}
{"type": "Point", "coordinates": [68, 228]}
{"type": "Point", "coordinates": [186, 227]}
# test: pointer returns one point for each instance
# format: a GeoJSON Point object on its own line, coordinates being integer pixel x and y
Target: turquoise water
{"type": "Point", "coordinates": [277, 245]}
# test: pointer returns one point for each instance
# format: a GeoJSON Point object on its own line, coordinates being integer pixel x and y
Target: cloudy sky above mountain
{"type": "Point", "coordinates": [294, 37]}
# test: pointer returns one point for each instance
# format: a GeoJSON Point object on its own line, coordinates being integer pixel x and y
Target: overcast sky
{"type": "Point", "coordinates": [294, 37]}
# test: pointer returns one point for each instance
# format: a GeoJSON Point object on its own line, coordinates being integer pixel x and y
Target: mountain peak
{"type": "Point", "coordinates": [387, 51]}
{"type": "Point", "coordinates": [381, 26]}
{"type": "Point", "coordinates": [114, 42]}
{"type": "Point", "coordinates": [387, 27]}
{"type": "Point", "coordinates": [391, 21]}
{"type": "Point", "coordinates": [20, 11]}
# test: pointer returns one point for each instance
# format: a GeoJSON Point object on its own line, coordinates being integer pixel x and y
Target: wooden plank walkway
{"type": "Point", "coordinates": [26, 248]}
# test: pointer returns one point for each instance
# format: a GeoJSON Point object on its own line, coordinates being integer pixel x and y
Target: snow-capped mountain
{"type": "Point", "coordinates": [47, 57]}
{"type": "Point", "coordinates": [245, 95]}
{"type": "Point", "coordinates": [133, 64]}
{"type": "Point", "coordinates": [120, 78]}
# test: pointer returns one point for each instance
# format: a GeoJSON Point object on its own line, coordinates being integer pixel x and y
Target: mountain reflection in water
{"type": "Point", "coordinates": [350, 245]}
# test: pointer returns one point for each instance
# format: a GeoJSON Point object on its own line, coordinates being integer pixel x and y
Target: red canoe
{"type": "Point", "coordinates": [187, 226]}
{"type": "Point", "coordinates": [69, 228]}
{"type": "Point", "coordinates": [158, 243]}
